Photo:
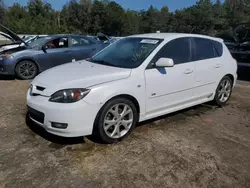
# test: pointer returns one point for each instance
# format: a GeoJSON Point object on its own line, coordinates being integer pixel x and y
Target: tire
{"type": "Point", "coordinates": [117, 125]}
{"type": "Point", "coordinates": [26, 70]}
{"type": "Point", "coordinates": [223, 90]}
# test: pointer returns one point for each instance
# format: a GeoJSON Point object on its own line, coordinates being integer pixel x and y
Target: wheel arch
{"type": "Point", "coordinates": [231, 77]}
{"type": "Point", "coordinates": [126, 96]}
{"type": "Point", "coordinates": [28, 59]}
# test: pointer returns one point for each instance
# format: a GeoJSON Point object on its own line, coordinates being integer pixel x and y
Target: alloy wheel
{"type": "Point", "coordinates": [118, 120]}
{"type": "Point", "coordinates": [27, 70]}
{"type": "Point", "coordinates": [224, 90]}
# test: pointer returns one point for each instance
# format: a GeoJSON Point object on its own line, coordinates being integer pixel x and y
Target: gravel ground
{"type": "Point", "coordinates": [203, 146]}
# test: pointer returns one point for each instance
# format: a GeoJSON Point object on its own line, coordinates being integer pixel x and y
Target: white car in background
{"type": "Point", "coordinates": [15, 44]}
{"type": "Point", "coordinates": [134, 79]}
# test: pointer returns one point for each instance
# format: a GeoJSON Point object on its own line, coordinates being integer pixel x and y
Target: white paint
{"type": "Point", "coordinates": [181, 86]}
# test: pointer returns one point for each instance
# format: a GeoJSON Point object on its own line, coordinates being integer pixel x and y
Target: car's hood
{"type": "Point", "coordinates": [8, 47]}
{"type": "Point", "coordinates": [80, 74]}
{"type": "Point", "coordinates": [13, 36]}
{"type": "Point", "coordinates": [7, 36]}
{"type": "Point", "coordinates": [242, 32]}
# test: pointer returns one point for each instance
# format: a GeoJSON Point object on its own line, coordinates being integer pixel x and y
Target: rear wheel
{"type": "Point", "coordinates": [115, 121]}
{"type": "Point", "coordinates": [26, 70]}
{"type": "Point", "coordinates": [224, 91]}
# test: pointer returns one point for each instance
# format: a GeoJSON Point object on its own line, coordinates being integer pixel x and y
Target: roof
{"type": "Point", "coordinates": [66, 35]}
{"type": "Point", "coordinates": [174, 35]}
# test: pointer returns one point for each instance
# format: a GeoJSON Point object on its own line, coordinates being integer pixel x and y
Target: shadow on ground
{"type": "Point", "coordinates": [180, 115]}
{"type": "Point", "coordinates": [6, 77]}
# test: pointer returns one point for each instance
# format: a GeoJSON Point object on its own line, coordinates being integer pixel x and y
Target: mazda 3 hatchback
{"type": "Point", "coordinates": [134, 79]}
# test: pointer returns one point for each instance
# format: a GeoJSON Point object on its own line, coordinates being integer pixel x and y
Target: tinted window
{"type": "Point", "coordinates": [204, 49]}
{"type": "Point", "coordinates": [218, 47]}
{"type": "Point", "coordinates": [57, 43]}
{"type": "Point", "coordinates": [80, 41]}
{"type": "Point", "coordinates": [178, 49]}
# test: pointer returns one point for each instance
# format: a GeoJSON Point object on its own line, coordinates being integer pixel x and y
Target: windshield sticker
{"type": "Point", "coordinates": [148, 41]}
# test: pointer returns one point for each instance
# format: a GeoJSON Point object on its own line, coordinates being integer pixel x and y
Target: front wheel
{"type": "Point", "coordinates": [115, 121]}
{"type": "Point", "coordinates": [223, 91]}
{"type": "Point", "coordinates": [26, 70]}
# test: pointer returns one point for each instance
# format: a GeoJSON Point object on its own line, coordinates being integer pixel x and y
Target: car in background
{"type": "Point", "coordinates": [27, 61]}
{"type": "Point", "coordinates": [104, 38]}
{"type": "Point", "coordinates": [239, 42]}
{"type": "Point", "coordinates": [132, 80]}
{"type": "Point", "coordinates": [16, 44]}
{"type": "Point", "coordinates": [32, 38]}
{"type": "Point", "coordinates": [11, 40]}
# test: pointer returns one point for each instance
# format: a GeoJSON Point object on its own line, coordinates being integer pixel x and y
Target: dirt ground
{"type": "Point", "coordinates": [203, 146]}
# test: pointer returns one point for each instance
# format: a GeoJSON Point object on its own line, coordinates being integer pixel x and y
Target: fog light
{"type": "Point", "coordinates": [1, 69]}
{"type": "Point", "coordinates": [59, 125]}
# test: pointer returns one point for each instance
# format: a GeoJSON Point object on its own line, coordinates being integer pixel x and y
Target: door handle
{"type": "Point", "coordinates": [93, 49]}
{"type": "Point", "coordinates": [217, 66]}
{"type": "Point", "coordinates": [67, 52]}
{"type": "Point", "coordinates": [188, 71]}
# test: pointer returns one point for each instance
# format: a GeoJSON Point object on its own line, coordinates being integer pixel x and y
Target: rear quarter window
{"type": "Point", "coordinates": [218, 47]}
{"type": "Point", "coordinates": [206, 49]}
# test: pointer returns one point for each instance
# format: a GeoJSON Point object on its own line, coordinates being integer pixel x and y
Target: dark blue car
{"type": "Point", "coordinates": [27, 60]}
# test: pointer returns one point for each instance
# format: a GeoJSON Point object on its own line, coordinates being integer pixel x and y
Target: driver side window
{"type": "Point", "coordinates": [57, 43]}
{"type": "Point", "coordinates": [178, 49]}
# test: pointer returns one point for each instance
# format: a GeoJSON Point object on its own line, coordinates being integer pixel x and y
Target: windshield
{"type": "Point", "coordinates": [27, 38]}
{"type": "Point", "coordinates": [39, 42]}
{"type": "Point", "coordinates": [127, 52]}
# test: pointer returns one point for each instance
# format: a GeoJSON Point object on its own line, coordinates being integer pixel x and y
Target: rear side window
{"type": "Point", "coordinates": [80, 41]}
{"type": "Point", "coordinates": [178, 49]}
{"type": "Point", "coordinates": [204, 49]}
{"type": "Point", "coordinates": [218, 47]}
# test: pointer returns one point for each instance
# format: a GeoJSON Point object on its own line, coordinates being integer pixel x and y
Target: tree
{"type": "Point", "coordinates": [131, 23]}
{"type": "Point", "coordinates": [114, 21]}
{"type": "Point", "coordinates": [108, 17]}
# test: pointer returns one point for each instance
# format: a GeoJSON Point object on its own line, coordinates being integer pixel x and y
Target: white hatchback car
{"type": "Point", "coordinates": [135, 79]}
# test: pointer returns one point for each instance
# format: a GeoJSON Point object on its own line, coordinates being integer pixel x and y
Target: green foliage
{"type": "Point", "coordinates": [2, 11]}
{"type": "Point", "coordinates": [91, 17]}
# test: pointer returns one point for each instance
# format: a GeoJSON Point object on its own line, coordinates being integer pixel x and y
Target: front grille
{"type": "Point", "coordinates": [39, 88]}
{"type": "Point", "coordinates": [36, 115]}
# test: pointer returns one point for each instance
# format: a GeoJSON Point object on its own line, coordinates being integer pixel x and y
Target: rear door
{"type": "Point", "coordinates": [206, 54]}
{"type": "Point", "coordinates": [82, 47]}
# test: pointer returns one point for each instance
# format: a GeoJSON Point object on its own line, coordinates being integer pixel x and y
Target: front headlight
{"type": "Point", "coordinates": [69, 95]}
{"type": "Point", "coordinates": [6, 56]}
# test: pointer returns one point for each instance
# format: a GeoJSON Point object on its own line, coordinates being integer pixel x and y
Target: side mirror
{"type": "Point", "coordinates": [44, 49]}
{"type": "Point", "coordinates": [164, 62]}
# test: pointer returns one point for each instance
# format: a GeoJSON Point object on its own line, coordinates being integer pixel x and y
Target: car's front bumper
{"type": "Point", "coordinates": [6, 67]}
{"type": "Point", "coordinates": [79, 116]}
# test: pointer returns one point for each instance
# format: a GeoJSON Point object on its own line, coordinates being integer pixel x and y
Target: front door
{"type": "Point", "coordinates": [169, 89]}
{"type": "Point", "coordinates": [57, 53]}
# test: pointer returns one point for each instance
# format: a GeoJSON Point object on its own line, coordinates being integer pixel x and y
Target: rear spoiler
{"type": "Point", "coordinates": [219, 40]}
